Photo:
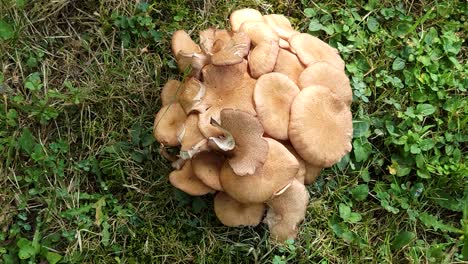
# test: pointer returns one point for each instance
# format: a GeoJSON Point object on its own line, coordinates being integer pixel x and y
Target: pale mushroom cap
{"type": "Point", "coordinates": [286, 211]}
{"type": "Point", "coordinates": [233, 213]}
{"type": "Point", "coordinates": [234, 51]}
{"type": "Point", "coordinates": [301, 173]}
{"type": "Point", "coordinates": [242, 15]}
{"type": "Point", "coordinates": [280, 24]}
{"type": "Point", "coordinates": [311, 174]}
{"type": "Point", "coordinates": [288, 64]}
{"type": "Point", "coordinates": [284, 44]}
{"type": "Point", "coordinates": [279, 170]}
{"type": "Point", "coordinates": [262, 58]}
{"type": "Point", "coordinates": [182, 41]}
{"type": "Point", "coordinates": [193, 61]}
{"type": "Point", "coordinates": [320, 126]}
{"type": "Point", "coordinates": [258, 32]}
{"type": "Point", "coordinates": [251, 149]}
{"type": "Point", "coordinates": [273, 96]}
{"type": "Point", "coordinates": [170, 91]}
{"type": "Point", "coordinates": [167, 122]}
{"type": "Point", "coordinates": [191, 95]}
{"type": "Point", "coordinates": [191, 135]}
{"type": "Point", "coordinates": [187, 181]}
{"type": "Point", "coordinates": [311, 49]}
{"type": "Point", "coordinates": [323, 73]}
{"type": "Point", "coordinates": [207, 167]}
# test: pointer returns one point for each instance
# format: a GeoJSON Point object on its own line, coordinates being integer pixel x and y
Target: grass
{"type": "Point", "coordinates": [82, 180]}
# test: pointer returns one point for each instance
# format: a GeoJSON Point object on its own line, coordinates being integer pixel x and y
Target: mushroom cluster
{"type": "Point", "coordinates": [260, 111]}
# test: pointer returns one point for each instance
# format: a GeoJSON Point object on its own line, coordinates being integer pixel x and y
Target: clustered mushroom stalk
{"type": "Point", "coordinates": [260, 111]}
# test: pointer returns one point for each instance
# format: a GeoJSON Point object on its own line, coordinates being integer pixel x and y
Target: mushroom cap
{"type": "Point", "coordinates": [189, 133]}
{"type": "Point", "coordinates": [234, 51]}
{"type": "Point", "coordinates": [233, 213]}
{"type": "Point", "coordinates": [170, 91]}
{"type": "Point", "coordinates": [323, 73]}
{"type": "Point", "coordinates": [288, 64]}
{"type": "Point", "coordinates": [193, 61]}
{"type": "Point", "coordinates": [311, 49]}
{"type": "Point", "coordinates": [277, 172]}
{"type": "Point", "coordinates": [242, 15]}
{"type": "Point", "coordinates": [284, 44]}
{"type": "Point", "coordinates": [191, 95]}
{"type": "Point", "coordinates": [280, 24]}
{"type": "Point", "coordinates": [209, 36]}
{"type": "Point", "coordinates": [273, 95]}
{"type": "Point", "coordinates": [185, 180]}
{"type": "Point", "coordinates": [311, 174]}
{"type": "Point", "coordinates": [167, 122]}
{"type": "Point", "coordinates": [251, 149]}
{"type": "Point", "coordinates": [286, 211]}
{"type": "Point", "coordinates": [258, 32]}
{"type": "Point", "coordinates": [262, 58]}
{"type": "Point", "coordinates": [181, 41]}
{"type": "Point", "coordinates": [301, 173]}
{"type": "Point", "coordinates": [320, 126]}
{"type": "Point", "coordinates": [207, 167]}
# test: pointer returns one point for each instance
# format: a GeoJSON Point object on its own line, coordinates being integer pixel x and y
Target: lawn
{"type": "Point", "coordinates": [82, 180]}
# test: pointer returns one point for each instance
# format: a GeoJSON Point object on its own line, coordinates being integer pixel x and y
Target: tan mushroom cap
{"type": "Point", "coordinates": [287, 63]}
{"type": "Point", "coordinates": [233, 52]}
{"type": "Point", "coordinates": [189, 133]}
{"type": "Point", "coordinates": [258, 32]}
{"type": "Point", "coordinates": [284, 44]}
{"type": "Point", "coordinates": [311, 174]}
{"type": "Point", "coordinates": [320, 126]}
{"type": "Point", "coordinates": [187, 181]}
{"type": "Point", "coordinates": [181, 41]}
{"type": "Point", "coordinates": [167, 122]}
{"type": "Point", "coordinates": [207, 167]}
{"type": "Point", "coordinates": [192, 61]}
{"type": "Point", "coordinates": [301, 173]}
{"type": "Point", "coordinates": [286, 211]}
{"type": "Point", "coordinates": [242, 15]}
{"type": "Point", "coordinates": [277, 172]}
{"type": "Point", "coordinates": [262, 58]}
{"type": "Point", "coordinates": [251, 149]}
{"type": "Point", "coordinates": [323, 73]}
{"type": "Point", "coordinates": [273, 95]}
{"type": "Point", "coordinates": [280, 24]}
{"type": "Point", "coordinates": [170, 91]}
{"type": "Point", "coordinates": [311, 49]}
{"type": "Point", "coordinates": [233, 213]}
{"type": "Point", "coordinates": [191, 95]}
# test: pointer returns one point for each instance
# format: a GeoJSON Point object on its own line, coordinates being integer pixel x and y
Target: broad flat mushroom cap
{"type": "Point", "coordinates": [182, 41]}
{"type": "Point", "coordinates": [233, 52]}
{"type": "Point", "coordinates": [323, 73]}
{"type": "Point", "coordinates": [258, 32]}
{"type": "Point", "coordinates": [262, 58]}
{"type": "Point", "coordinates": [233, 213]}
{"type": "Point", "coordinates": [189, 134]}
{"type": "Point", "coordinates": [170, 92]}
{"type": "Point", "coordinates": [191, 95]}
{"type": "Point", "coordinates": [167, 123]}
{"type": "Point", "coordinates": [301, 173]}
{"type": "Point", "coordinates": [287, 63]}
{"type": "Point", "coordinates": [320, 126]}
{"type": "Point", "coordinates": [207, 167]}
{"type": "Point", "coordinates": [277, 172]}
{"type": "Point", "coordinates": [311, 49]}
{"type": "Point", "coordinates": [273, 95]}
{"type": "Point", "coordinates": [242, 15]}
{"type": "Point", "coordinates": [286, 211]}
{"type": "Point", "coordinates": [187, 181]}
{"type": "Point", "coordinates": [280, 24]}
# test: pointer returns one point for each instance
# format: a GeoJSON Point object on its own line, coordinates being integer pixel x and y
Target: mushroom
{"type": "Point", "coordinates": [242, 15]}
{"type": "Point", "coordinates": [251, 149]}
{"type": "Point", "coordinates": [320, 126]}
{"type": "Point", "coordinates": [187, 181]}
{"type": "Point", "coordinates": [191, 96]}
{"type": "Point", "coordinates": [167, 122]}
{"type": "Point", "coordinates": [288, 64]}
{"type": "Point", "coordinates": [207, 167]}
{"type": "Point", "coordinates": [233, 52]}
{"type": "Point", "coordinates": [310, 49]}
{"type": "Point", "coordinates": [311, 173]}
{"type": "Point", "coordinates": [277, 172]}
{"type": "Point", "coordinates": [190, 138]}
{"type": "Point", "coordinates": [323, 73]}
{"type": "Point", "coordinates": [273, 95]}
{"type": "Point", "coordinates": [262, 58]}
{"type": "Point", "coordinates": [280, 24]}
{"type": "Point", "coordinates": [258, 32]}
{"type": "Point", "coordinates": [286, 211]}
{"type": "Point", "coordinates": [301, 172]}
{"type": "Point", "coordinates": [170, 92]}
{"type": "Point", "coordinates": [181, 41]}
{"type": "Point", "coordinates": [233, 213]}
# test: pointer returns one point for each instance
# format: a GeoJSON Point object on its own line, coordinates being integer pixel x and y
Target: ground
{"type": "Point", "coordinates": [82, 180]}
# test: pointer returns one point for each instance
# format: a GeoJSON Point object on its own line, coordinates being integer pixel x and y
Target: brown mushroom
{"type": "Point", "coordinates": [311, 174]}
{"type": "Point", "coordinates": [207, 167]}
{"type": "Point", "coordinates": [191, 96]}
{"type": "Point", "coordinates": [320, 126]}
{"type": "Point", "coordinates": [323, 73]}
{"type": "Point", "coordinates": [258, 32]}
{"type": "Point", "coordinates": [262, 58]}
{"type": "Point", "coordinates": [277, 172]}
{"type": "Point", "coordinates": [280, 24]}
{"type": "Point", "coordinates": [167, 122]}
{"type": "Point", "coordinates": [286, 211]}
{"type": "Point", "coordinates": [233, 213]}
{"type": "Point", "coordinates": [189, 135]}
{"type": "Point", "coordinates": [233, 52]}
{"type": "Point", "coordinates": [273, 95]}
{"type": "Point", "coordinates": [170, 92]}
{"type": "Point", "coordinates": [301, 172]}
{"type": "Point", "coordinates": [288, 64]}
{"type": "Point", "coordinates": [181, 41]}
{"type": "Point", "coordinates": [187, 181]}
{"type": "Point", "coordinates": [311, 49]}
{"type": "Point", "coordinates": [242, 15]}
